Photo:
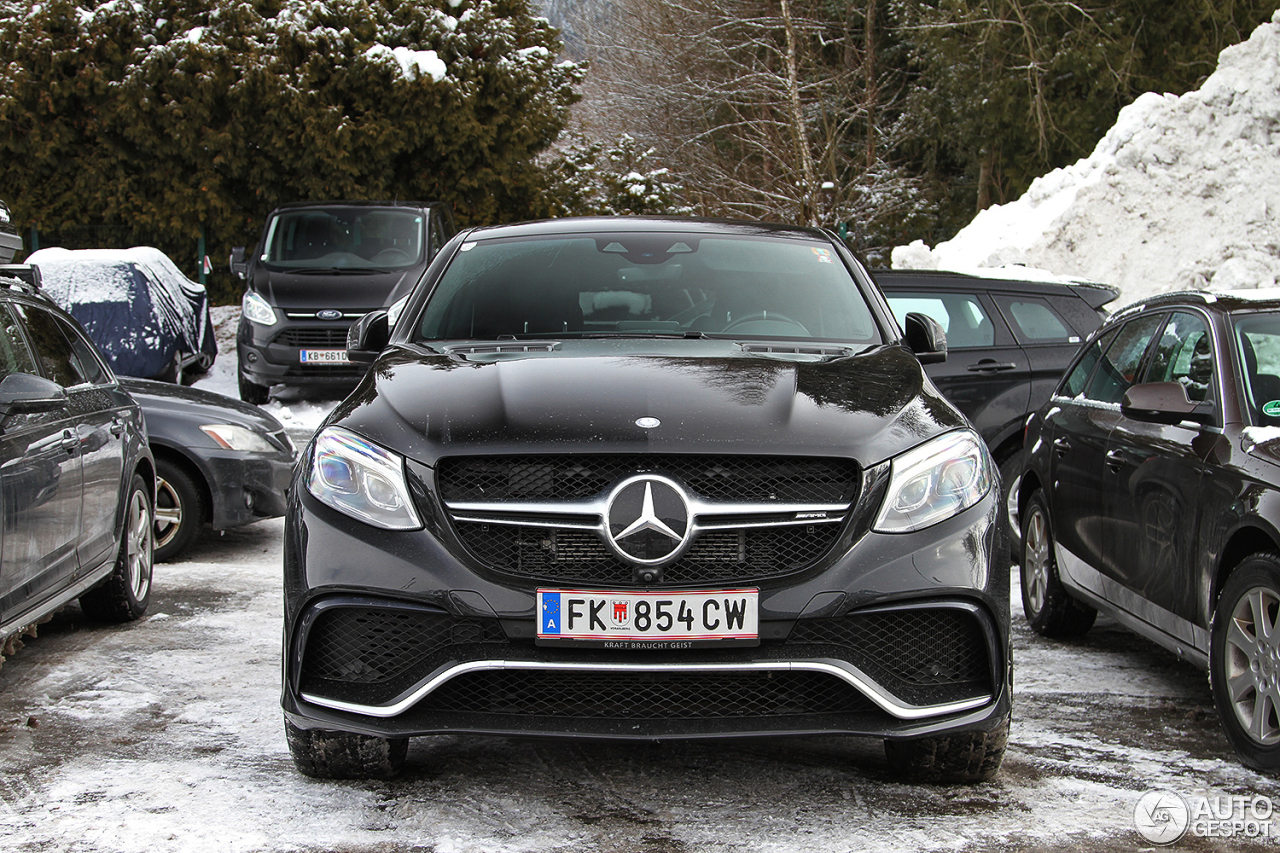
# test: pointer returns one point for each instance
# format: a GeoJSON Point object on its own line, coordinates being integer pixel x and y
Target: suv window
{"type": "Point", "coordinates": [1034, 321]}
{"type": "Point", "coordinates": [1078, 378]}
{"type": "Point", "coordinates": [960, 315]}
{"type": "Point", "coordinates": [1184, 354]}
{"type": "Point", "coordinates": [14, 355]}
{"type": "Point", "coordinates": [1121, 364]}
{"type": "Point", "coordinates": [51, 346]}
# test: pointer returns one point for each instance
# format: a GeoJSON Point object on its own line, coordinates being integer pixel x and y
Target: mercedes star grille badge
{"type": "Point", "coordinates": [648, 520]}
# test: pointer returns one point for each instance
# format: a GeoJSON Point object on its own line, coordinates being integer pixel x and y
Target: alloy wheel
{"type": "Point", "coordinates": [1252, 663]}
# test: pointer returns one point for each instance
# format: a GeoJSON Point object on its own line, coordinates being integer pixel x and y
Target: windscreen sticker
{"type": "Point", "coordinates": [1271, 409]}
{"type": "Point", "coordinates": [824, 256]}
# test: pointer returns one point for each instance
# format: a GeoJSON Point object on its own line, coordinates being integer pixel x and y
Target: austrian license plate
{"type": "Point", "coordinates": [325, 356]}
{"type": "Point", "coordinates": [639, 620]}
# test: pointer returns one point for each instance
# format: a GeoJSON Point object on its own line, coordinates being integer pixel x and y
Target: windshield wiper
{"type": "Point", "coordinates": [638, 333]}
{"type": "Point", "coordinates": [338, 270]}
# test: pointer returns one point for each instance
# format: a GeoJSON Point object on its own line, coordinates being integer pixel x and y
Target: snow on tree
{"type": "Point", "coordinates": [164, 115]}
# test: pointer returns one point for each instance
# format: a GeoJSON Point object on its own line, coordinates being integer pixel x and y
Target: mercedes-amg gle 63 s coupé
{"type": "Point", "coordinates": [646, 479]}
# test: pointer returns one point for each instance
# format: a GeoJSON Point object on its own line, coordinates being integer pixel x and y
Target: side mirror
{"type": "Point", "coordinates": [239, 265]}
{"type": "Point", "coordinates": [926, 338]}
{"type": "Point", "coordinates": [23, 392]}
{"type": "Point", "coordinates": [368, 336]}
{"type": "Point", "coordinates": [1163, 403]}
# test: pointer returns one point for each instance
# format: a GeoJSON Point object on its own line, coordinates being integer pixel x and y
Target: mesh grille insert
{"type": "Point", "coordinates": [646, 696]}
{"type": "Point", "coordinates": [922, 655]}
{"type": "Point", "coordinates": [580, 477]}
{"type": "Point", "coordinates": [386, 646]}
{"type": "Point", "coordinates": [717, 556]}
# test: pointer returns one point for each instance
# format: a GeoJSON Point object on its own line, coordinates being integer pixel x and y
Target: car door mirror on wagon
{"type": "Point", "coordinates": [1163, 403]}
{"type": "Point", "coordinates": [23, 392]}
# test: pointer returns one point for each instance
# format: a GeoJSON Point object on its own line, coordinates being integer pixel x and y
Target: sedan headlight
{"type": "Point", "coordinates": [232, 437]}
{"type": "Point", "coordinates": [255, 308]}
{"type": "Point", "coordinates": [361, 479]}
{"type": "Point", "coordinates": [933, 482]}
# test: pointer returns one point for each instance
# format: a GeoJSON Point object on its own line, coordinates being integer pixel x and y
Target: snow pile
{"type": "Point", "coordinates": [1183, 192]}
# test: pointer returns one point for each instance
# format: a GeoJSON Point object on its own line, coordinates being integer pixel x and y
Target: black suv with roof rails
{"type": "Point", "coordinates": [76, 479]}
{"type": "Point", "coordinates": [318, 267]}
{"type": "Point", "coordinates": [1008, 343]}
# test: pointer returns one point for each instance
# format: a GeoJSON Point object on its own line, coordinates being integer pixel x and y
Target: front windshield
{"type": "Point", "coordinates": [637, 284]}
{"type": "Point", "coordinates": [343, 238]}
{"type": "Point", "coordinates": [1258, 339]}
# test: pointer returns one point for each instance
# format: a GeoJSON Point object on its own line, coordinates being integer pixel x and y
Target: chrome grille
{"type": "Point", "coordinates": [331, 338]}
{"type": "Point", "coordinates": [543, 517]}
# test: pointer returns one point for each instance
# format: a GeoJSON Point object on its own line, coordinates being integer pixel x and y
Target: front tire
{"type": "Point", "coordinates": [180, 511]}
{"type": "Point", "coordinates": [1244, 661]}
{"type": "Point", "coordinates": [125, 593]}
{"type": "Point", "coordinates": [966, 757]}
{"type": "Point", "coordinates": [342, 755]}
{"type": "Point", "coordinates": [1049, 608]}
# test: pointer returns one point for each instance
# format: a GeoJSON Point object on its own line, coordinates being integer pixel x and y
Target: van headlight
{"type": "Point", "coordinates": [931, 483]}
{"type": "Point", "coordinates": [362, 480]}
{"type": "Point", "coordinates": [255, 308]}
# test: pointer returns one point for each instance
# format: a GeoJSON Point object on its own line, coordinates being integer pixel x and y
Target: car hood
{"type": "Point", "coordinates": [348, 290]}
{"type": "Point", "coordinates": [197, 404]}
{"type": "Point", "coordinates": [708, 396]}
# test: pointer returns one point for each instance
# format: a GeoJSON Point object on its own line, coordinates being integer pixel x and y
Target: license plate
{"type": "Point", "coordinates": [637, 619]}
{"type": "Point", "coordinates": [325, 356]}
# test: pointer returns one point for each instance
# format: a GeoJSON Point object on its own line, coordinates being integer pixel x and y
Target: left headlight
{"type": "Point", "coordinates": [362, 480]}
{"type": "Point", "coordinates": [932, 482]}
{"type": "Point", "coordinates": [232, 437]}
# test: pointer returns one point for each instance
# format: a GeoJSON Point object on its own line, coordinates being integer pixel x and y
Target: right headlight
{"type": "Point", "coordinates": [931, 483]}
{"type": "Point", "coordinates": [362, 480]}
{"type": "Point", "coordinates": [255, 308]}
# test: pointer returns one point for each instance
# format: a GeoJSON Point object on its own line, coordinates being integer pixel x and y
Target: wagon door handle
{"type": "Point", "coordinates": [990, 365]}
{"type": "Point", "coordinates": [1061, 445]}
{"type": "Point", "coordinates": [69, 441]}
{"type": "Point", "coordinates": [117, 426]}
{"type": "Point", "coordinates": [1115, 460]}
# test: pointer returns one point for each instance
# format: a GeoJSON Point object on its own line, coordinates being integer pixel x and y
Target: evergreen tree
{"type": "Point", "coordinates": [159, 117]}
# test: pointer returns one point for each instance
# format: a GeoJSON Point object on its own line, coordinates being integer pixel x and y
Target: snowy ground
{"type": "Point", "coordinates": [166, 735]}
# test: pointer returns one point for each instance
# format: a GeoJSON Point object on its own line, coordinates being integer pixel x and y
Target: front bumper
{"type": "Point", "coordinates": [247, 488]}
{"type": "Point", "coordinates": [272, 355]}
{"type": "Point", "coordinates": [399, 635]}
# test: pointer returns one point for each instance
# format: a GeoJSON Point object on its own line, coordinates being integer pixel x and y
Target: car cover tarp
{"type": "Point", "coordinates": [136, 305]}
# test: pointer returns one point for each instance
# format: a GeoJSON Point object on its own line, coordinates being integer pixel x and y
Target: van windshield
{"type": "Point", "coordinates": [343, 238]}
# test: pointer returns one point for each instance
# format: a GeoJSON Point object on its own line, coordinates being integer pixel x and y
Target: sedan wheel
{"type": "Point", "coordinates": [1244, 662]}
{"type": "Point", "coordinates": [180, 510]}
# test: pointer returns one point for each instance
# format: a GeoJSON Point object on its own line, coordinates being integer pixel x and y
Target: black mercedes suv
{"type": "Point", "coordinates": [318, 267]}
{"type": "Point", "coordinates": [647, 479]}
